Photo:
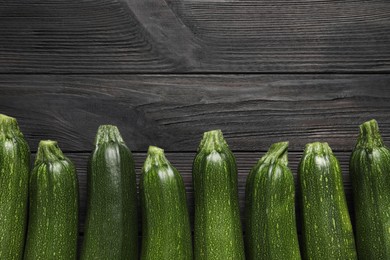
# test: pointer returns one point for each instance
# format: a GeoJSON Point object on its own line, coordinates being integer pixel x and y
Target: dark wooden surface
{"type": "Point", "coordinates": [172, 111]}
{"type": "Point", "coordinates": [165, 71]}
{"type": "Point", "coordinates": [129, 36]}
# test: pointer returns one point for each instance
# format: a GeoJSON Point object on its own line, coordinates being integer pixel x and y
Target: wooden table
{"type": "Point", "coordinates": [166, 71]}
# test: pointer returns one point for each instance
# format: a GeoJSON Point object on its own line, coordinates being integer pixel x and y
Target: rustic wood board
{"type": "Point", "coordinates": [172, 111]}
{"type": "Point", "coordinates": [128, 36]}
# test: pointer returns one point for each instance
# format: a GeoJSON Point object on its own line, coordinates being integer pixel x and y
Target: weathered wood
{"type": "Point", "coordinates": [173, 111]}
{"type": "Point", "coordinates": [183, 163]}
{"type": "Point", "coordinates": [127, 36]}
{"type": "Point", "coordinates": [75, 36]}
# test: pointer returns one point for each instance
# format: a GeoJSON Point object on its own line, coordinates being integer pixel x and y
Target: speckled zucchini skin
{"type": "Point", "coordinates": [166, 231]}
{"type": "Point", "coordinates": [218, 233]}
{"type": "Point", "coordinates": [14, 174]}
{"type": "Point", "coordinates": [327, 229]}
{"type": "Point", "coordinates": [53, 209]}
{"type": "Point", "coordinates": [370, 174]}
{"type": "Point", "coordinates": [111, 228]}
{"type": "Point", "coordinates": [271, 231]}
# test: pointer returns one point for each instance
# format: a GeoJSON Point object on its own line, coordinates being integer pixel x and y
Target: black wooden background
{"type": "Point", "coordinates": [165, 71]}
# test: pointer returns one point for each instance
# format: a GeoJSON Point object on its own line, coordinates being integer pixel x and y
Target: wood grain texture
{"type": "Point", "coordinates": [75, 36]}
{"type": "Point", "coordinates": [172, 111]}
{"type": "Point", "coordinates": [282, 35]}
{"type": "Point", "coordinates": [183, 163]}
{"type": "Point", "coordinates": [128, 36]}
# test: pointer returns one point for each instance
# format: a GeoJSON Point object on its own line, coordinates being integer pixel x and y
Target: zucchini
{"type": "Point", "coordinates": [327, 229]}
{"type": "Point", "coordinates": [53, 211]}
{"type": "Point", "coordinates": [370, 174]}
{"type": "Point", "coordinates": [166, 232]}
{"type": "Point", "coordinates": [111, 230]}
{"type": "Point", "coordinates": [14, 174]}
{"type": "Point", "coordinates": [271, 231]}
{"type": "Point", "coordinates": [217, 230]}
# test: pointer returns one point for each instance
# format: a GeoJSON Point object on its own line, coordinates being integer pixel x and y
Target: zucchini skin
{"type": "Point", "coordinates": [327, 229]}
{"type": "Point", "coordinates": [111, 228]}
{"type": "Point", "coordinates": [166, 231]}
{"type": "Point", "coordinates": [14, 174]}
{"type": "Point", "coordinates": [217, 228]}
{"type": "Point", "coordinates": [53, 208]}
{"type": "Point", "coordinates": [271, 231]}
{"type": "Point", "coordinates": [370, 174]}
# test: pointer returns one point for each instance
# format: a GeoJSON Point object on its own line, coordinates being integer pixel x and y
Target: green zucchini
{"type": "Point", "coordinates": [217, 230]}
{"type": "Point", "coordinates": [370, 174]}
{"type": "Point", "coordinates": [53, 208]}
{"type": "Point", "coordinates": [271, 231]}
{"type": "Point", "coordinates": [327, 229]}
{"type": "Point", "coordinates": [111, 230]}
{"type": "Point", "coordinates": [166, 232]}
{"type": "Point", "coordinates": [14, 174]}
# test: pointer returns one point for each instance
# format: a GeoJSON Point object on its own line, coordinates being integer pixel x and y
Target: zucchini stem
{"type": "Point", "coordinates": [48, 151]}
{"type": "Point", "coordinates": [369, 136]}
{"type": "Point", "coordinates": [318, 148]}
{"type": "Point", "coordinates": [212, 141]}
{"type": "Point", "coordinates": [9, 127]}
{"type": "Point", "coordinates": [276, 153]}
{"type": "Point", "coordinates": [107, 134]}
{"type": "Point", "coordinates": [155, 158]}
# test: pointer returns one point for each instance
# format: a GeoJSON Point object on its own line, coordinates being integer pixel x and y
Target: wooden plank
{"type": "Point", "coordinates": [127, 36]}
{"type": "Point", "coordinates": [172, 111]}
{"type": "Point", "coordinates": [75, 36]}
{"type": "Point", "coordinates": [183, 163]}
{"type": "Point", "coordinates": [298, 35]}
